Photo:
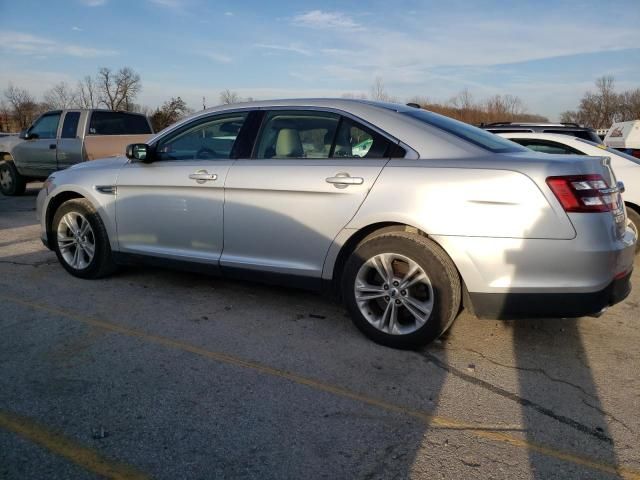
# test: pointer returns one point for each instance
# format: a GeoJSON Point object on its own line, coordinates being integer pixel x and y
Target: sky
{"type": "Point", "coordinates": [547, 52]}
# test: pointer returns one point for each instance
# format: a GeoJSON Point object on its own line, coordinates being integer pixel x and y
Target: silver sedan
{"type": "Point", "coordinates": [405, 215]}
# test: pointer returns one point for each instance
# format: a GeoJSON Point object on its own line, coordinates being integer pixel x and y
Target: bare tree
{"type": "Point", "coordinates": [5, 116]}
{"type": "Point", "coordinates": [227, 96]}
{"type": "Point", "coordinates": [23, 106]}
{"type": "Point", "coordinates": [358, 96]}
{"type": "Point", "coordinates": [630, 105]}
{"type": "Point", "coordinates": [378, 91]}
{"type": "Point", "coordinates": [87, 93]}
{"type": "Point", "coordinates": [118, 90]}
{"type": "Point", "coordinates": [61, 96]}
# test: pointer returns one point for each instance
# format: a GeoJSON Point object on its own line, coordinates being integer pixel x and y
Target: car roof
{"type": "Point", "coordinates": [560, 125]}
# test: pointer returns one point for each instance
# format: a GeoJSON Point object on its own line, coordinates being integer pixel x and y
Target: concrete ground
{"type": "Point", "coordinates": [154, 373]}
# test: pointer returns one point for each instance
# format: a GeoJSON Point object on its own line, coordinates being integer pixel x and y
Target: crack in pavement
{"type": "Point", "coordinates": [605, 413]}
{"type": "Point", "coordinates": [25, 264]}
{"type": "Point", "coordinates": [535, 370]}
{"type": "Point", "coordinates": [516, 398]}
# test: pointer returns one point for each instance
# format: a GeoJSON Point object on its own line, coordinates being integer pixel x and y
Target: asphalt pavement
{"type": "Point", "coordinates": [160, 374]}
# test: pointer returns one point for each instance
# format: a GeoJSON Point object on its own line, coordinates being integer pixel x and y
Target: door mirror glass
{"type": "Point", "coordinates": [140, 152]}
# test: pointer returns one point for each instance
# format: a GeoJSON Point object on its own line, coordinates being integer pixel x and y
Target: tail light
{"type": "Point", "coordinates": [583, 193]}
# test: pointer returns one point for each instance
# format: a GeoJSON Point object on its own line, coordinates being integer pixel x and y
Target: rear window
{"type": "Point", "coordinates": [585, 134]}
{"type": "Point", "coordinates": [118, 123]}
{"type": "Point", "coordinates": [467, 132]}
{"type": "Point", "coordinates": [615, 151]}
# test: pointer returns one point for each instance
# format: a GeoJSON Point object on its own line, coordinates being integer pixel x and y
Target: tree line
{"type": "Point", "coordinates": [119, 89]}
{"type": "Point", "coordinates": [604, 106]}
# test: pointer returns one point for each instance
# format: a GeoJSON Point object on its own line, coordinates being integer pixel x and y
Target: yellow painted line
{"type": "Point", "coordinates": [479, 430]}
{"type": "Point", "coordinates": [56, 443]}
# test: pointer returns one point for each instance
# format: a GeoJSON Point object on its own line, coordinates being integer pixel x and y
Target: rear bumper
{"type": "Point", "coordinates": [550, 305]}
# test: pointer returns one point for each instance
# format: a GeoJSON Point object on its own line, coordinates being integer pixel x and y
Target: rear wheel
{"type": "Point", "coordinates": [80, 240]}
{"type": "Point", "coordinates": [11, 182]}
{"type": "Point", "coordinates": [634, 217]}
{"type": "Point", "coordinates": [401, 289]}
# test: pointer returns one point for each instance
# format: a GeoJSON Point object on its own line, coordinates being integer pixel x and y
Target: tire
{"type": "Point", "coordinates": [11, 182]}
{"type": "Point", "coordinates": [76, 214]}
{"type": "Point", "coordinates": [438, 292]}
{"type": "Point", "coordinates": [634, 216]}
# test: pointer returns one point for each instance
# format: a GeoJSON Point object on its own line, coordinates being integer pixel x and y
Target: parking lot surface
{"type": "Point", "coordinates": [162, 374]}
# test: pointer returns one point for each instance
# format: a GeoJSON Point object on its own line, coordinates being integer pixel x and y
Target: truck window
{"type": "Point", "coordinates": [46, 126]}
{"type": "Point", "coordinates": [70, 125]}
{"type": "Point", "coordinates": [118, 123]}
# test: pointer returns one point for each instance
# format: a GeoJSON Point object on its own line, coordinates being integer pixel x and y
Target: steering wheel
{"type": "Point", "coordinates": [205, 153]}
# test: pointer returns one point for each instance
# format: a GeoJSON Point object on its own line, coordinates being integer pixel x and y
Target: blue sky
{"type": "Point", "coordinates": [546, 52]}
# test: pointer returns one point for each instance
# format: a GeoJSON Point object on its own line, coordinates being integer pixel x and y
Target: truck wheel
{"type": "Point", "coordinates": [401, 289]}
{"type": "Point", "coordinates": [11, 182]}
{"type": "Point", "coordinates": [80, 240]}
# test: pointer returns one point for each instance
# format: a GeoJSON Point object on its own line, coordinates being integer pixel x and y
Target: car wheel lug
{"type": "Point", "coordinates": [387, 298]}
{"type": "Point", "coordinates": [403, 293]}
{"type": "Point", "coordinates": [397, 302]}
{"type": "Point", "coordinates": [395, 284]}
{"type": "Point", "coordinates": [385, 286]}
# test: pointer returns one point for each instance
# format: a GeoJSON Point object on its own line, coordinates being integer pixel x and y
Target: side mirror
{"type": "Point", "coordinates": [25, 135]}
{"type": "Point", "coordinates": [139, 152]}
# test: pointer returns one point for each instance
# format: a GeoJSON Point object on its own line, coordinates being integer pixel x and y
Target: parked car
{"type": "Point", "coordinates": [626, 167]}
{"type": "Point", "coordinates": [435, 214]}
{"type": "Point", "coordinates": [564, 128]}
{"type": "Point", "coordinates": [61, 138]}
{"type": "Point", "coordinates": [625, 136]}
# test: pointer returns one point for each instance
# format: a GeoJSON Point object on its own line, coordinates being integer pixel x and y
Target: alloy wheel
{"type": "Point", "coordinates": [394, 293]}
{"type": "Point", "coordinates": [76, 240]}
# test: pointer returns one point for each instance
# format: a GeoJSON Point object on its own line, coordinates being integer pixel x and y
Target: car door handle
{"type": "Point", "coordinates": [343, 180]}
{"type": "Point", "coordinates": [202, 176]}
{"type": "Point", "coordinates": [52, 146]}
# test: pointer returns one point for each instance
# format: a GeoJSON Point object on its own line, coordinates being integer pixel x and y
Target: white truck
{"type": "Point", "coordinates": [625, 136]}
{"type": "Point", "coordinates": [61, 138]}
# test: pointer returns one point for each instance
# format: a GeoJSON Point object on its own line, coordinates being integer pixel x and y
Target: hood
{"type": "Point", "coordinates": [7, 143]}
{"type": "Point", "coordinates": [103, 164]}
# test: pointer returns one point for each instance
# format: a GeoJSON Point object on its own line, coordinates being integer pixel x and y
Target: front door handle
{"type": "Point", "coordinates": [202, 176]}
{"type": "Point", "coordinates": [52, 146]}
{"type": "Point", "coordinates": [343, 180]}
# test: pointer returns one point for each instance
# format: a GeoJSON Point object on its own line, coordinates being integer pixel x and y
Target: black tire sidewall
{"type": "Point", "coordinates": [634, 217]}
{"type": "Point", "coordinates": [102, 248]}
{"type": "Point", "coordinates": [446, 302]}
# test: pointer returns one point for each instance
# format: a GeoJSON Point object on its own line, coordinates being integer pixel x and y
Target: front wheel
{"type": "Point", "coordinates": [401, 289]}
{"type": "Point", "coordinates": [11, 182]}
{"type": "Point", "coordinates": [80, 240]}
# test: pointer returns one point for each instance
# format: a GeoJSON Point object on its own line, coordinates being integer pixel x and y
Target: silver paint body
{"type": "Point", "coordinates": [492, 213]}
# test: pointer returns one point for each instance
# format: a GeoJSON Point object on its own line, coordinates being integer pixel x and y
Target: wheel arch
{"type": "Point", "coordinates": [371, 231]}
{"type": "Point", "coordinates": [632, 206]}
{"type": "Point", "coordinates": [53, 206]}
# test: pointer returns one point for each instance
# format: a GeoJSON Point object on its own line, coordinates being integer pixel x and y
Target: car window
{"type": "Point", "coordinates": [356, 141]}
{"type": "Point", "coordinates": [615, 151]}
{"type": "Point", "coordinates": [467, 132]}
{"type": "Point", "coordinates": [70, 125]}
{"type": "Point", "coordinates": [585, 134]}
{"type": "Point", "coordinates": [297, 134]}
{"type": "Point", "coordinates": [547, 146]}
{"type": "Point", "coordinates": [118, 123]}
{"type": "Point", "coordinates": [211, 139]}
{"type": "Point", "coordinates": [46, 126]}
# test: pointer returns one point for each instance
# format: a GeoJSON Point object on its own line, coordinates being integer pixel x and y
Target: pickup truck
{"type": "Point", "coordinates": [61, 138]}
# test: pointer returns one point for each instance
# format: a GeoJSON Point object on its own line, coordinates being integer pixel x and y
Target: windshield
{"type": "Point", "coordinates": [467, 132]}
{"type": "Point", "coordinates": [602, 146]}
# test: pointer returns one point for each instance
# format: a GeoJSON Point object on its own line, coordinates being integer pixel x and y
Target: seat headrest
{"type": "Point", "coordinates": [288, 143]}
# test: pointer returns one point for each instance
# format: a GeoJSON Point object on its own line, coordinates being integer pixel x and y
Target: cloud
{"type": "Point", "coordinates": [77, 29]}
{"type": "Point", "coordinates": [168, 3]}
{"type": "Point", "coordinates": [218, 57]}
{"type": "Point", "coordinates": [228, 14]}
{"type": "Point", "coordinates": [27, 44]}
{"type": "Point", "coordinates": [284, 48]}
{"type": "Point", "coordinates": [324, 20]}
{"type": "Point", "coordinates": [93, 3]}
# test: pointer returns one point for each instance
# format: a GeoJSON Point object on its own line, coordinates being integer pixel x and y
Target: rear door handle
{"type": "Point", "coordinates": [343, 180]}
{"type": "Point", "coordinates": [202, 176]}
